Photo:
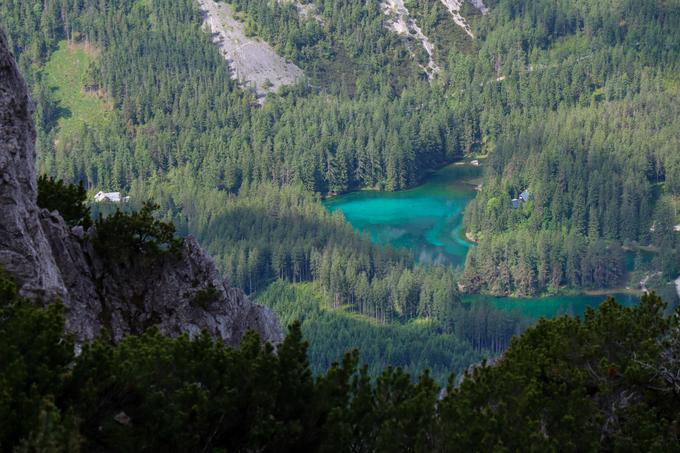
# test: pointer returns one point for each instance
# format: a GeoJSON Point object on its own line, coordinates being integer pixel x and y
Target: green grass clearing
{"type": "Point", "coordinates": [65, 76]}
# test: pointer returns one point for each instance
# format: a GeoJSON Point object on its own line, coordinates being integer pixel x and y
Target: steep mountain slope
{"type": "Point", "coordinates": [454, 6]}
{"type": "Point", "coordinates": [51, 261]}
{"type": "Point", "coordinates": [402, 23]}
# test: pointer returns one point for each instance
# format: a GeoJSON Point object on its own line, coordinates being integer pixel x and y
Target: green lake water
{"type": "Point", "coordinates": [551, 306]}
{"type": "Point", "coordinates": [428, 220]}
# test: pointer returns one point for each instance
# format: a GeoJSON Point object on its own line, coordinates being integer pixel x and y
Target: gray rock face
{"type": "Point", "coordinates": [49, 260]}
{"type": "Point", "coordinates": [23, 247]}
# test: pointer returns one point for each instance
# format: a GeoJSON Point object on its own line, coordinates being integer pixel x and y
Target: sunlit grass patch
{"type": "Point", "coordinates": [65, 75]}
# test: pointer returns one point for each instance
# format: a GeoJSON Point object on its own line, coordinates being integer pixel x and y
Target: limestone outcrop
{"type": "Point", "coordinates": [50, 261]}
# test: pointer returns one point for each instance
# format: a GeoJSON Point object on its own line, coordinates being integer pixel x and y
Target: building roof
{"type": "Point", "coordinates": [110, 196]}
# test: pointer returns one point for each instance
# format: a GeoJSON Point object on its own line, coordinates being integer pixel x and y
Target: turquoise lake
{"type": "Point", "coordinates": [428, 220]}
{"type": "Point", "coordinates": [551, 306]}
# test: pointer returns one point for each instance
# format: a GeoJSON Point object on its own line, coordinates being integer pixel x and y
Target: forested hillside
{"type": "Point", "coordinates": [575, 102]}
{"type": "Point", "coordinates": [177, 107]}
{"type": "Point", "coordinates": [238, 176]}
{"type": "Point", "coordinates": [589, 101]}
{"type": "Point", "coordinates": [561, 99]}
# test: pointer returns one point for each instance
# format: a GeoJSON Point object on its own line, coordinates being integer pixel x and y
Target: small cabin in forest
{"type": "Point", "coordinates": [109, 196]}
{"type": "Point", "coordinates": [523, 198]}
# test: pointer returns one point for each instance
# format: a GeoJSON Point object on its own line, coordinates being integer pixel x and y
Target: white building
{"type": "Point", "coordinates": [109, 196]}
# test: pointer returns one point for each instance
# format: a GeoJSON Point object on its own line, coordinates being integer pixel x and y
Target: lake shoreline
{"type": "Point", "coordinates": [549, 306]}
{"type": "Point", "coordinates": [428, 220]}
{"type": "Point", "coordinates": [473, 182]}
{"type": "Point", "coordinates": [568, 292]}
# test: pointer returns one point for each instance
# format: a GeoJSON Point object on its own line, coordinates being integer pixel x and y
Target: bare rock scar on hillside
{"type": "Point", "coordinates": [253, 62]}
{"type": "Point", "coordinates": [454, 7]}
{"type": "Point", "coordinates": [403, 24]}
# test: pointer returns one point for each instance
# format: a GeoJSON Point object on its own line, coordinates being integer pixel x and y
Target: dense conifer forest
{"type": "Point", "coordinates": [560, 99]}
{"type": "Point", "coordinates": [575, 102]}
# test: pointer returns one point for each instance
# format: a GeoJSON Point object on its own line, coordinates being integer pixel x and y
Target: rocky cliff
{"type": "Point", "coordinates": [51, 261]}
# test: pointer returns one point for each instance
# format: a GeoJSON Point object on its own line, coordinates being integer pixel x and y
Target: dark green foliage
{"type": "Point", "coordinates": [183, 395]}
{"type": "Point", "coordinates": [8, 288]}
{"type": "Point", "coordinates": [205, 297]}
{"type": "Point", "coordinates": [574, 385]}
{"type": "Point", "coordinates": [70, 200]}
{"type": "Point", "coordinates": [35, 356]}
{"type": "Point", "coordinates": [124, 235]}
{"type": "Point", "coordinates": [577, 101]}
{"type": "Point", "coordinates": [606, 382]}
